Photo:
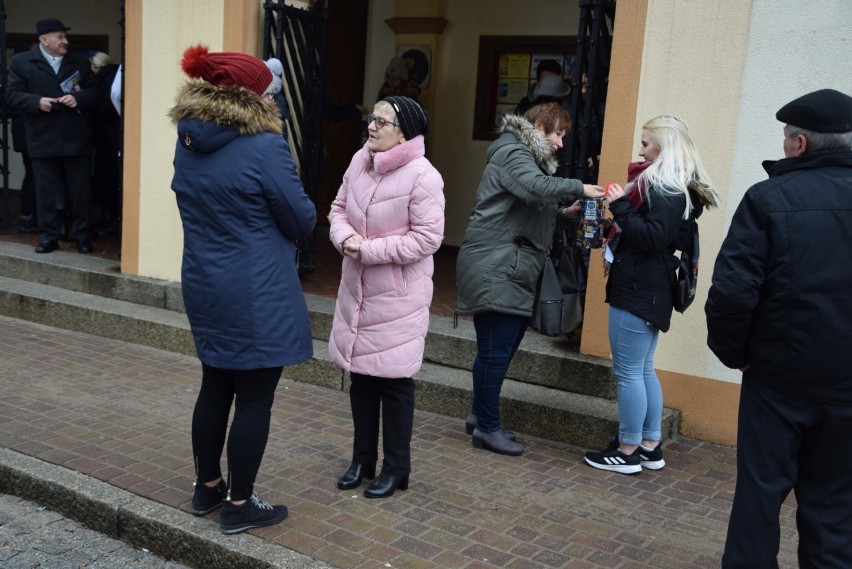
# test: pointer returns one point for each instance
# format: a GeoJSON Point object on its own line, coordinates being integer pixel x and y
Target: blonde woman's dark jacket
{"type": "Point", "coordinates": [511, 226]}
{"type": "Point", "coordinates": [644, 264]}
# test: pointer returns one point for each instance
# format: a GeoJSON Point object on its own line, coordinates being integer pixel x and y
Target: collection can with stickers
{"type": "Point", "coordinates": [590, 228]}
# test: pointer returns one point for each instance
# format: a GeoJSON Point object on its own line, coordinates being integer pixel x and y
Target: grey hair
{"type": "Point", "coordinates": [821, 140]}
{"type": "Point", "coordinates": [385, 107]}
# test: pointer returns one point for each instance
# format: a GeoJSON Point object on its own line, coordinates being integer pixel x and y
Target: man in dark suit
{"type": "Point", "coordinates": [46, 83]}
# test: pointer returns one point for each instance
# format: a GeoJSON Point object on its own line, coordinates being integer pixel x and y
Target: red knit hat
{"type": "Point", "coordinates": [226, 68]}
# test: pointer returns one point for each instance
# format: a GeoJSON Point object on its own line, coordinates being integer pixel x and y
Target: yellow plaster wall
{"type": "Point", "coordinates": [708, 407]}
{"type": "Point", "coordinates": [681, 72]}
{"type": "Point", "coordinates": [667, 59]}
{"type": "Point", "coordinates": [616, 150]}
{"type": "Point", "coordinates": [164, 28]}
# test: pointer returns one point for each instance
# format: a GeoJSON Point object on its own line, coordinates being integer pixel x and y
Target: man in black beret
{"type": "Point", "coordinates": [778, 310]}
{"type": "Point", "coordinates": [46, 84]}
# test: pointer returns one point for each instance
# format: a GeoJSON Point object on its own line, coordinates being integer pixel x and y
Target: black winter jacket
{"type": "Point", "coordinates": [643, 270]}
{"type": "Point", "coordinates": [779, 299]}
{"type": "Point", "coordinates": [62, 131]}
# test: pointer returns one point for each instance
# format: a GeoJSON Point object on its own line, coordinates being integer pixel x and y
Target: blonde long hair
{"type": "Point", "coordinates": [678, 168]}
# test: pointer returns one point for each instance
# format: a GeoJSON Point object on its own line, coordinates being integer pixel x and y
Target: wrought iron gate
{"type": "Point", "coordinates": [594, 48]}
{"type": "Point", "coordinates": [297, 37]}
{"type": "Point", "coordinates": [5, 219]}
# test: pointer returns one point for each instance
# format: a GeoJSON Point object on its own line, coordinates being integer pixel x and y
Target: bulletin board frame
{"type": "Point", "coordinates": [491, 80]}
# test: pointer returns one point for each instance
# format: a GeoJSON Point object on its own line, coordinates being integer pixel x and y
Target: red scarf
{"type": "Point", "coordinates": [637, 188]}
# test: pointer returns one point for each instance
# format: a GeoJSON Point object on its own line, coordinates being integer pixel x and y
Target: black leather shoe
{"type": "Point", "coordinates": [84, 246]}
{"type": "Point", "coordinates": [385, 485]}
{"type": "Point", "coordinates": [354, 476]}
{"type": "Point", "coordinates": [470, 425]}
{"type": "Point", "coordinates": [47, 245]}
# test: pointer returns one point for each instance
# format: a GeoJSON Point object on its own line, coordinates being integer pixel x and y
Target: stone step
{"type": "Point", "coordinates": [542, 396]}
{"type": "Point", "coordinates": [543, 361]}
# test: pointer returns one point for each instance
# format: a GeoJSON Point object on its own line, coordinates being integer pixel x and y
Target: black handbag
{"type": "Point", "coordinates": [557, 308]}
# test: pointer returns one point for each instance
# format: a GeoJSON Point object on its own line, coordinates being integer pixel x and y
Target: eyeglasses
{"type": "Point", "coordinates": [380, 122]}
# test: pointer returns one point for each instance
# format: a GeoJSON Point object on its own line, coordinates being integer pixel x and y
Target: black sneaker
{"type": "Point", "coordinates": [651, 459]}
{"type": "Point", "coordinates": [614, 460]}
{"type": "Point", "coordinates": [254, 513]}
{"type": "Point", "coordinates": [206, 499]}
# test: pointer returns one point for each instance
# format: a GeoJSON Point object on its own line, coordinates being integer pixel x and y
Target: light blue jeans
{"type": "Point", "coordinates": [632, 342]}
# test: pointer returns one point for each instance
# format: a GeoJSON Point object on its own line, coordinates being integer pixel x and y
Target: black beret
{"type": "Point", "coordinates": [50, 25]}
{"type": "Point", "coordinates": [825, 110]}
{"type": "Point", "coordinates": [413, 119]}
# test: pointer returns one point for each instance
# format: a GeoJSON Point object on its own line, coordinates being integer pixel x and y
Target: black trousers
{"type": "Point", "coordinates": [28, 195]}
{"type": "Point", "coordinates": [52, 177]}
{"type": "Point", "coordinates": [253, 392]}
{"type": "Point", "coordinates": [392, 400]}
{"type": "Point", "coordinates": [788, 444]}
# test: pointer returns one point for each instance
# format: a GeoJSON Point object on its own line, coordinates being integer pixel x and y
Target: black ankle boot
{"type": "Point", "coordinates": [385, 485]}
{"type": "Point", "coordinates": [354, 476]}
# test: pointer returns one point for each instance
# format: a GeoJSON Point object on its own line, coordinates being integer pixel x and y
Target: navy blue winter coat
{"type": "Point", "coordinates": [243, 207]}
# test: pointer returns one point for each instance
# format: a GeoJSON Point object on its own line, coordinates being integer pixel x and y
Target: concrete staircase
{"type": "Point", "coordinates": [551, 391]}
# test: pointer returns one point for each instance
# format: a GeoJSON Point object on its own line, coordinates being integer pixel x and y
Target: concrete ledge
{"type": "Point", "coordinates": [539, 360]}
{"type": "Point", "coordinates": [91, 275]}
{"type": "Point", "coordinates": [106, 317]}
{"type": "Point", "coordinates": [550, 391]}
{"type": "Point", "coordinates": [168, 532]}
{"type": "Point", "coordinates": [580, 420]}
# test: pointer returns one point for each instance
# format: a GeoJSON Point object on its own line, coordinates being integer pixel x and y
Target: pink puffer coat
{"type": "Point", "coordinates": [395, 200]}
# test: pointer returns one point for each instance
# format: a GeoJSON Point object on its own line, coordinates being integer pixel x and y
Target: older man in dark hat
{"type": "Point", "coordinates": [46, 84]}
{"type": "Point", "coordinates": [778, 311]}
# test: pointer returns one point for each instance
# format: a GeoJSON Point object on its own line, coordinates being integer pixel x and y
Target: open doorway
{"type": "Point", "coordinates": [96, 26]}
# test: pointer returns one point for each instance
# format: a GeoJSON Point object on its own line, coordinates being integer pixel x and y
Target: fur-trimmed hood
{"type": "Point", "coordinates": [230, 111]}
{"type": "Point", "coordinates": [532, 139]}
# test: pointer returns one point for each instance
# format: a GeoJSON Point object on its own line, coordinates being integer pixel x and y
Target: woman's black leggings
{"type": "Point", "coordinates": [253, 392]}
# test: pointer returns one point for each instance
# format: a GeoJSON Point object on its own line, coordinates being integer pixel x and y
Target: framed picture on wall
{"type": "Point", "coordinates": [419, 61]}
{"type": "Point", "coordinates": [506, 73]}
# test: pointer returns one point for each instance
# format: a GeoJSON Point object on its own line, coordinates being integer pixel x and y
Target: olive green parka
{"type": "Point", "coordinates": [511, 226]}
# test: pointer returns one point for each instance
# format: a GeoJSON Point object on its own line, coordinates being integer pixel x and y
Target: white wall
{"type": "Point", "coordinates": [793, 48]}
{"type": "Point", "coordinates": [693, 58]}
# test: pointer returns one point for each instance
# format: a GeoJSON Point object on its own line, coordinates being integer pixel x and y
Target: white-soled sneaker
{"type": "Point", "coordinates": [651, 459]}
{"type": "Point", "coordinates": [253, 513]}
{"type": "Point", "coordinates": [614, 460]}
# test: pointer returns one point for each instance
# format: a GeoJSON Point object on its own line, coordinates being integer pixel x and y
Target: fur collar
{"type": "Point", "coordinates": [398, 156]}
{"type": "Point", "coordinates": [532, 139]}
{"type": "Point", "coordinates": [240, 108]}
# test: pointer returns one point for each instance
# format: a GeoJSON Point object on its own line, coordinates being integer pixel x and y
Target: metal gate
{"type": "Point", "coordinates": [5, 219]}
{"type": "Point", "coordinates": [297, 37]}
{"type": "Point", "coordinates": [594, 48]}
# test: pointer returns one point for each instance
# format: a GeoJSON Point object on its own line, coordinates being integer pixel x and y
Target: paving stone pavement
{"type": "Point", "coordinates": [32, 536]}
{"type": "Point", "coordinates": [120, 413]}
